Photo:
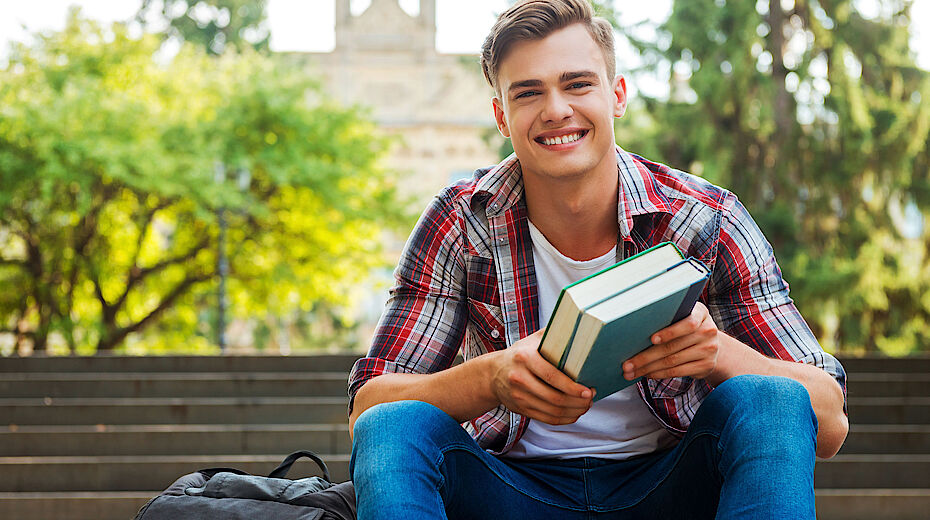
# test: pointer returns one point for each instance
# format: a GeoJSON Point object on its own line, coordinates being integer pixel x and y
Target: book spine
{"type": "Point", "coordinates": [568, 344]}
{"type": "Point", "coordinates": [691, 297]}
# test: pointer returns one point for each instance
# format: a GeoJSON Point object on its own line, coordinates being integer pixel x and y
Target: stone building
{"type": "Point", "coordinates": [439, 104]}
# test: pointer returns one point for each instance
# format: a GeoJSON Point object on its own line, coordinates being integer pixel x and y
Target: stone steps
{"type": "Point", "coordinates": [180, 439]}
{"type": "Point", "coordinates": [114, 363]}
{"type": "Point", "coordinates": [141, 472]}
{"type": "Point", "coordinates": [174, 410]}
{"type": "Point", "coordinates": [97, 437]}
{"type": "Point", "coordinates": [172, 384]}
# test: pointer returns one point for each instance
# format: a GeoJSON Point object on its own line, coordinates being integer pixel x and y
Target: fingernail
{"type": "Point", "coordinates": [656, 340]}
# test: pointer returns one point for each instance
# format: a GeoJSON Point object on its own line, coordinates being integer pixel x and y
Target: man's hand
{"type": "Point", "coordinates": [687, 348]}
{"type": "Point", "coordinates": [527, 384]}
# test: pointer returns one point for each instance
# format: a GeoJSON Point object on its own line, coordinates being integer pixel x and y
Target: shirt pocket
{"type": "Point", "coordinates": [481, 280]}
{"type": "Point", "coordinates": [486, 328]}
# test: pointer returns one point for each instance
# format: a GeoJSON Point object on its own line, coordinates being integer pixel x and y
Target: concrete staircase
{"type": "Point", "coordinates": [94, 438]}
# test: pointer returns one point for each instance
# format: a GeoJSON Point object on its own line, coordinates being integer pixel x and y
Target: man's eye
{"type": "Point", "coordinates": [579, 84]}
{"type": "Point", "coordinates": [525, 94]}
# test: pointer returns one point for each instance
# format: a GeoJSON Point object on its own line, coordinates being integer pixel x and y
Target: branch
{"type": "Point", "coordinates": [16, 263]}
{"type": "Point", "coordinates": [120, 334]}
{"type": "Point", "coordinates": [137, 275]}
{"type": "Point", "coordinates": [106, 308]}
{"type": "Point", "coordinates": [144, 230]}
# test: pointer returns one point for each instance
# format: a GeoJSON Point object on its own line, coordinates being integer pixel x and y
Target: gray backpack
{"type": "Point", "coordinates": [231, 494]}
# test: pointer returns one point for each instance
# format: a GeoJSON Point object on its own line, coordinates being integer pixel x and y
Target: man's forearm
{"type": "Point", "coordinates": [735, 358]}
{"type": "Point", "coordinates": [462, 391]}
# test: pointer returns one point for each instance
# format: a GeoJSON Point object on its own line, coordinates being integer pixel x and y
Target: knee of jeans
{"type": "Point", "coordinates": [396, 422]}
{"type": "Point", "coordinates": [393, 436]}
{"type": "Point", "coordinates": [768, 398]}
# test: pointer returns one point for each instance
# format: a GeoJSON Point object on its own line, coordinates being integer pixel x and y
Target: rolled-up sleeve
{"type": "Point", "coordinates": [422, 327]}
{"type": "Point", "coordinates": [748, 298]}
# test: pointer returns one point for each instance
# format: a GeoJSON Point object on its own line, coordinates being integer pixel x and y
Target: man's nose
{"type": "Point", "coordinates": [557, 108]}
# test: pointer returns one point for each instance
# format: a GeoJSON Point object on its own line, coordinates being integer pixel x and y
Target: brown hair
{"type": "Point", "coordinates": [534, 20]}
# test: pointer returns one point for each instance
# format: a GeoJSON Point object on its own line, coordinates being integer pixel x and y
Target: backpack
{"type": "Point", "coordinates": [231, 494]}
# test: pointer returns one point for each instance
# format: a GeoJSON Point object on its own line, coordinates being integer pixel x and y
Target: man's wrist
{"type": "Point", "coordinates": [735, 358]}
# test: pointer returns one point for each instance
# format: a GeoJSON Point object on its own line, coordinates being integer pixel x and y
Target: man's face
{"type": "Point", "coordinates": [557, 104]}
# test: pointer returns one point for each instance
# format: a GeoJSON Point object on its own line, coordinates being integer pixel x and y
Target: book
{"type": "Point", "coordinates": [603, 320]}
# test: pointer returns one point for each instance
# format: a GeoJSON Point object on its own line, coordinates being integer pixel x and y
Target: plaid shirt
{"type": "Point", "coordinates": [466, 282]}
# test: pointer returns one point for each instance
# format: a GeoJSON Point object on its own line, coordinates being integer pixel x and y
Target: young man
{"type": "Point", "coordinates": [737, 399]}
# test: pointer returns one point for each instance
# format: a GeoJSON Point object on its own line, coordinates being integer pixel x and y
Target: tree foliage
{"type": "Point", "coordinates": [816, 116]}
{"type": "Point", "coordinates": [109, 190]}
{"type": "Point", "coordinates": [214, 25]}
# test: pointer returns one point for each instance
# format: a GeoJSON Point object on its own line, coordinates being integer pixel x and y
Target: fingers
{"type": "Point", "coordinates": [530, 385]}
{"type": "Point", "coordinates": [535, 363]}
{"type": "Point", "coordinates": [686, 348]}
{"type": "Point", "coordinates": [557, 379]}
{"type": "Point", "coordinates": [688, 325]}
{"type": "Point", "coordinates": [547, 405]}
{"type": "Point", "coordinates": [696, 360]}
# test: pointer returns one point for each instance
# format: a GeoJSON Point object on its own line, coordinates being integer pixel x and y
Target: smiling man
{"type": "Point", "coordinates": [738, 397]}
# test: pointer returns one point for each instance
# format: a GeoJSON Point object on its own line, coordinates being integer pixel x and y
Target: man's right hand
{"type": "Point", "coordinates": [527, 384]}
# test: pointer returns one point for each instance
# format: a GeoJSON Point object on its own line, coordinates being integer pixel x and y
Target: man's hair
{"type": "Point", "coordinates": [530, 20]}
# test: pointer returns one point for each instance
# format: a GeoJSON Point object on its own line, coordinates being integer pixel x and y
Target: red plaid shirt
{"type": "Point", "coordinates": [466, 283]}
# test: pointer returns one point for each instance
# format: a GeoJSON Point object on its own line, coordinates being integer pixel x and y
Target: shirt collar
{"type": "Point", "coordinates": [638, 192]}
{"type": "Point", "coordinates": [503, 184]}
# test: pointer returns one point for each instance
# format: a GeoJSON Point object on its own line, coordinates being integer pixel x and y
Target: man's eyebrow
{"type": "Point", "coordinates": [523, 84]}
{"type": "Point", "coordinates": [568, 76]}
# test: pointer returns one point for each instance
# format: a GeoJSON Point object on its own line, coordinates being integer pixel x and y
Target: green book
{"type": "Point", "coordinates": [604, 319]}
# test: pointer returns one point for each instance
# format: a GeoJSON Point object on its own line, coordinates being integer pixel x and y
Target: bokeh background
{"type": "Point", "coordinates": [240, 175]}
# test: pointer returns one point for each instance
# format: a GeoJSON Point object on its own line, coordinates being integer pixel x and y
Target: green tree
{"type": "Point", "coordinates": [214, 25]}
{"type": "Point", "coordinates": [109, 190]}
{"type": "Point", "coordinates": [815, 115]}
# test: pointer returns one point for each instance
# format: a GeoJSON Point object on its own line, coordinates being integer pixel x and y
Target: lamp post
{"type": "Point", "coordinates": [243, 180]}
{"type": "Point", "coordinates": [222, 264]}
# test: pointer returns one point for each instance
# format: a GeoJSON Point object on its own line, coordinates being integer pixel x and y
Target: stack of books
{"type": "Point", "coordinates": [601, 321]}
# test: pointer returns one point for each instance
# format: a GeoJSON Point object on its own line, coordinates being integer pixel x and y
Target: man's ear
{"type": "Point", "coordinates": [619, 88]}
{"type": "Point", "coordinates": [500, 117]}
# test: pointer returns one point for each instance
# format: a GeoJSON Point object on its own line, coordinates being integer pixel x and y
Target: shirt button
{"type": "Point", "coordinates": [495, 205]}
{"type": "Point", "coordinates": [495, 334]}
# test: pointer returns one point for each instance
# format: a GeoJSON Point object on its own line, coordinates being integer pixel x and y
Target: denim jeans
{"type": "Point", "coordinates": [749, 453]}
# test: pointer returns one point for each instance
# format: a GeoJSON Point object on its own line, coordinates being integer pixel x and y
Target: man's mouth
{"type": "Point", "coordinates": [561, 139]}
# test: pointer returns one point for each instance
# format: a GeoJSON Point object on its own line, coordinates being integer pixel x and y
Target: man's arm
{"type": "Point", "coordinates": [694, 347]}
{"type": "Point", "coordinates": [517, 377]}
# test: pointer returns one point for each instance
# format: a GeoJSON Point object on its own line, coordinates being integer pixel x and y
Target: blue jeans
{"type": "Point", "coordinates": [749, 453]}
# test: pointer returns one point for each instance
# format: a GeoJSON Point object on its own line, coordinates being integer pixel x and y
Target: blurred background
{"type": "Point", "coordinates": [197, 176]}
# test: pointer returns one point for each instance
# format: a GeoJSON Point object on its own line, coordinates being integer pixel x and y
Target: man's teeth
{"type": "Point", "coordinates": [563, 139]}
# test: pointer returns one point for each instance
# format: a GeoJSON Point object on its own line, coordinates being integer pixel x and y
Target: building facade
{"type": "Point", "coordinates": [439, 105]}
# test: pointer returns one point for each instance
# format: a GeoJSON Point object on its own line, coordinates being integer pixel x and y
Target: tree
{"type": "Point", "coordinates": [214, 25]}
{"type": "Point", "coordinates": [109, 189]}
{"type": "Point", "coordinates": [815, 115]}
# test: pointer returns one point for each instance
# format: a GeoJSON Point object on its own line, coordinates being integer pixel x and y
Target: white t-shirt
{"type": "Point", "coordinates": [617, 427]}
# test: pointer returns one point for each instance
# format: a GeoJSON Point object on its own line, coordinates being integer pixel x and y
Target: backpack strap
{"type": "Point", "coordinates": [285, 466]}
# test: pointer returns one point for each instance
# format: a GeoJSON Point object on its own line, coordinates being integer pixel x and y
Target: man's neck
{"type": "Point", "coordinates": [577, 216]}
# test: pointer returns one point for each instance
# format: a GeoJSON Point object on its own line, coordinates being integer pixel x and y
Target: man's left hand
{"type": "Point", "coordinates": [687, 348]}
